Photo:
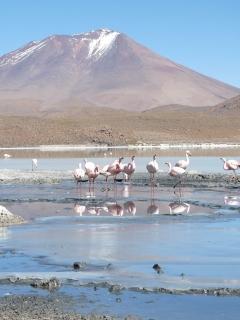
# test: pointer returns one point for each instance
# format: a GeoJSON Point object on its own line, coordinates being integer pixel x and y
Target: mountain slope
{"type": "Point", "coordinates": [229, 106]}
{"type": "Point", "coordinates": [99, 68]}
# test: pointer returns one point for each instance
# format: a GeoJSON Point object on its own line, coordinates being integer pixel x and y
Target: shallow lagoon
{"type": "Point", "coordinates": [119, 234]}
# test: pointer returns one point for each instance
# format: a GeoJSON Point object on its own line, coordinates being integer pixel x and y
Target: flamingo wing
{"type": "Point", "coordinates": [181, 164]}
{"type": "Point", "coordinates": [233, 164]}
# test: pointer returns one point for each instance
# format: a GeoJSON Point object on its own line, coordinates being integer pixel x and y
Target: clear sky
{"type": "Point", "coordinates": [203, 35]}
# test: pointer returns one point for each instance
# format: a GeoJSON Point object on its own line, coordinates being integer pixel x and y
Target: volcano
{"type": "Point", "coordinates": [64, 73]}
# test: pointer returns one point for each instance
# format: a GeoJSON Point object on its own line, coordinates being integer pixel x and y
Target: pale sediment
{"type": "Point", "coordinates": [54, 284]}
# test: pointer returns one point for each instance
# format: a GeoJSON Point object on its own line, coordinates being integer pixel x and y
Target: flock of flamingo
{"type": "Point", "coordinates": [92, 171]}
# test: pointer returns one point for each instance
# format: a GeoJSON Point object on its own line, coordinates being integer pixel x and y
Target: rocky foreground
{"type": "Point", "coordinates": [47, 308]}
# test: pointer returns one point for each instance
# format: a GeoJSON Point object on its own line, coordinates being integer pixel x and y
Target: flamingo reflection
{"type": "Point", "coordinates": [93, 210]}
{"type": "Point", "coordinates": [130, 207]}
{"type": "Point", "coordinates": [125, 191]}
{"type": "Point", "coordinates": [79, 209]}
{"type": "Point", "coordinates": [179, 207]}
{"type": "Point", "coordinates": [153, 208]}
{"type": "Point", "coordinates": [232, 201]}
{"type": "Point", "coordinates": [114, 209]}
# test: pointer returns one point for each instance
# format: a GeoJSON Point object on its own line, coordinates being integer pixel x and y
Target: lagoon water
{"type": "Point", "coordinates": [198, 164]}
{"type": "Point", "coordinates": [120, 234]}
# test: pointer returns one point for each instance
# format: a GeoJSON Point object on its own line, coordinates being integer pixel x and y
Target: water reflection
{"type": "Point", "coordinates": [94, 210]}
{"type": "Point", "coordinates": [110, 208]}
{"type": "Point", "coordinates": [115, 209]}
{"type": "Point", "coordinates": [179, 207]}
{"type": "Point", "coordinates": [125, 191]}
{"type": "Point", "coordinates": [153, 209]}
{"type": "Point", "coordinates": [232, 201]}
{"type": "Point", "coordinates": [79, 209]}
{"type": "Point", "coordinates": [130, 208]}
{"type": "Point", "coordinates": [4, 233]}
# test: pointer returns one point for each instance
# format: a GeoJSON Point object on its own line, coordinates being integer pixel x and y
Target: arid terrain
{"type": "Point", "coordinates": [107, 126]}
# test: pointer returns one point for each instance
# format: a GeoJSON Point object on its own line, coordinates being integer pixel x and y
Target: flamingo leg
{"type": "Point", "coordinates": [235, 176]}
{"type": "Point", "coordinates": [180, 190]}
{"type": "Point", "coordinates": [176, 184]}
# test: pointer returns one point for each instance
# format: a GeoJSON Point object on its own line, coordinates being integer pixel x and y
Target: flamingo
{"type": "Point", "coordinates": [79, 173]}
{"type": "Point", "coordinates": [34, 164]}
{"type": "Point", "coordinates": [175, 172]}
{"type": "Point", "coordinates": [113, 169]}
{"type": "Point", "coordinates": [184, 163]}
{"type": "Point", "coordinates": [152, 167]}
{"type": "Point", "coordinates": [231, 165]}
{"type": "Point", "coordinates": [92, 171]}
{"type": "Point", "coordinates": [128, 169]}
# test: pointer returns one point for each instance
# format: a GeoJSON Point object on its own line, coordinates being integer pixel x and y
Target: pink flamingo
{"type": "Point", "coordinates": [231, 165]}
{"type": "Point", "coordinates": [79, 173]}
{"type": "Point", "coordinates": [113, 169]}
{"type": "Point", "coordinates": [175, 172]}
{"type": "Point", "coordinates": [152, 167]}
{"type": "Point", "coordinates": [184, 163]}
{"type": "Point", "coordinates": [128, 169]}
{"type": "Point", "coordinates": [92, 171]}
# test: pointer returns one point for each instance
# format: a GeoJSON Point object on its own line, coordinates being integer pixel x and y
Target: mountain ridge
{"type": "Point", "coordinates": [101, 68]}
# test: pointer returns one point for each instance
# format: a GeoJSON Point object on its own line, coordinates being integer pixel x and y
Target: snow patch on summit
{"type": "Point", "coordinates": [21, 54]}
{"type": "Point", "coordinates": [100, 46]}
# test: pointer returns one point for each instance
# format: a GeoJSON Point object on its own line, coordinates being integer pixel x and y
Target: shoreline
{"type": "Point", "coordinates": [194, 180]}
{"type": "Point", "coordinates": [161, 146]}
{"type": "Point", "coordinates": [51, 284]}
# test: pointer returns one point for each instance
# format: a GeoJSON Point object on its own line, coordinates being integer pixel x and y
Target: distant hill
{"type": "Point", "coordinates": [63, 74]}
{"type": "Point", "coordinates": [229, 106]}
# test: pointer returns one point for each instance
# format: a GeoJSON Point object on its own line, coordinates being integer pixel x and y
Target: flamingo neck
{"type": "Point", "coordinates": [170, 167]}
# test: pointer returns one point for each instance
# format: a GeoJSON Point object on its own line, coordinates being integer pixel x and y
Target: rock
{"type": "Point", "coordinates": [49, 284]}
{"type": "Point", "coordinates": [8, 218]}
{"type": "Point", "coordinates": [157, 268]}
{"type": "Point", "coordinates": [79, 265]}
{"type": "Point", "coordinates": [115, 288]}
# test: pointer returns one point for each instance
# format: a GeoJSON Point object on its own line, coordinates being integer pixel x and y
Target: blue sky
{"type": "Point", "coordinates": [202, 35]}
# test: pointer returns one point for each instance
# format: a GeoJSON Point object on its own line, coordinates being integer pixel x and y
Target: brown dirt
{"type": "Point", "coordinates": [120, 127]}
